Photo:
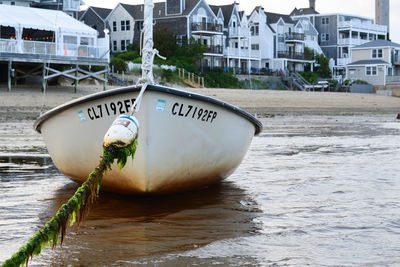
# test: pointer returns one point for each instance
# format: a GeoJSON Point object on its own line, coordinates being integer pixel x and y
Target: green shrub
{"type": "Point", "coordinates": [218, 78]}
{"type": "Point", "coordinates": [311, 77]}
{"type": "Point", "coordinates": [137, 60]}
{"type": "Point", "coordinates": [359, 82]}
{"type": "Point", "coordinates": [127, 56]}
{"type": "Point", "coordinates": [119, 64]}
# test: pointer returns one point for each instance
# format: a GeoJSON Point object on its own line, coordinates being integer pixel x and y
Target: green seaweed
{"type": "Point", "coordinates": [53, 232]}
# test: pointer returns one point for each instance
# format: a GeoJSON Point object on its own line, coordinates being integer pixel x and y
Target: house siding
{"type": "Point", "coordinates": [362, 54]}
{"type": "Point", "coordinates": [178, 26]}
{"type": "Point", "coordinates": [359, 73]}
{"type": "Point", "coordinates": [120, 14]}
{"type": "Point", "coordinates": [91, 19]}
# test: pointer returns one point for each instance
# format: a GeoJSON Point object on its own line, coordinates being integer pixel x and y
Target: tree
{"type": "Point", "coordinates": [323, 66]}
{"type": "Point", "coordinates": [164, 40]}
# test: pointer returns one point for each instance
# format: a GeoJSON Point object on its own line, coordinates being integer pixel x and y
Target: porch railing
{"type": "Point", "coordinates": [214, 49]}
{"type": "Point", "coordinates": [294, 55]}
{"type": "Point", "coordinates": [48, 48]}
{"type": "Point", "coordinates": [206, 26]}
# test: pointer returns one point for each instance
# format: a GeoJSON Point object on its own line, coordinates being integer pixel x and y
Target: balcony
{"type": "Point", "coordinates": [294, 37]}
{"type": "Point", "coordinates": [201, 27]}
{"type": "Point", "coordinates": [352, 41]}
{"type": "Point", "coordinates": [393, 79]}
{"type": "Point", "coordinates": [214, 49]}
{"type": "Point", "coordinates": [343, 61]}
{"type": "Point", "coordinates": [366, 26]}
{"type": "Point", "coordinates": [395, 58]}
{"type": "Point", "coordinates": [294, 55]}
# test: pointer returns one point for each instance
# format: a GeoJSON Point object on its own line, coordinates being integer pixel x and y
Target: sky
{"type": "Point", "coordinates": [364, 8]}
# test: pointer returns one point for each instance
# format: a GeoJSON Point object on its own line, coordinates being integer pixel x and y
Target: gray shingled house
{"type": "Point", "coordinates": [95, 17]}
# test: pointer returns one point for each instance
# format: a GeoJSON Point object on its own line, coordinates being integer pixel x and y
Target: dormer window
{"type": "Point", "coordinates": [234, 24]}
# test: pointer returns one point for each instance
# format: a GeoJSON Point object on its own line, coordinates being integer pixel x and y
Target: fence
{"type": "Point", "coordinates": [191, 78]}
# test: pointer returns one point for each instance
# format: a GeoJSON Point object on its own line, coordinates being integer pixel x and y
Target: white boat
{"type": "Point", "coordinates": [185, 141]}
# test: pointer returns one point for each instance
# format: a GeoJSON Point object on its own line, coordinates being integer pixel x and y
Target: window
{"type": "Point", "coordinates": [254, 30]}
{"type": "Point", "coordinates": [205, 42]}
{"type": "Point", "coordinates": [127, 43]}
{"type": "Point", "coordinates": [139, 25]}
{"type": "Point", "coordinates": [122, 25]}
{"type": "Point", "coordinates": [255, 47]}
{"type": "Point", "coordinates": [68, 39]}
{"type": "Point", "coordinates": [324, 37]}
{"type": "Point", "coordinates": [115, 46]}
{"type": "Point", "coordinates": [377, 53]}
{"type": "Point", "coordinates": [114, 26]}
{"type": "Point", "coordinates": [234, 24]}
{"type": "Point", "coordinates": [86, 41]}
{"type": "Point", "coordinates": [236, 45]}
{"type": "Point", "coordinates": [123, 47]}
{"type": "Point", "coordinates": [128, 25]}
{"type": "Point", "coordinates": [371, 71]}
{"type": "Point", "coordinates": [325, 20]}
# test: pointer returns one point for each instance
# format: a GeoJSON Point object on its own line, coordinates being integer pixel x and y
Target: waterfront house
{"type": "Point", "coordinates": [338, 33]}
{"type": "Point", "coordinates": [121, 28]}
{"type": "Point", "coordinates": [238, 46]}
{"type": "Point", "coordinates": [281, 40]}
{"type": "Point", "coordinates": [186, 19]}
{"type": "Point", "coordinates": [95, 17]}
{"type": "Point", "coordinates": [376, 62]}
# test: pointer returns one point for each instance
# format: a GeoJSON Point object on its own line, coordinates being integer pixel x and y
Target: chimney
{"type": "Point", "coordinates": [382, 12]}
{"type": "Point", "coordinates": [312, 4]}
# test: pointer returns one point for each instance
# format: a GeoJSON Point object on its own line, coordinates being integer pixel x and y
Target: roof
{"type": "Point", "coordinates": [42, 19]}
{"type": "Point", "coordinates": [274, 18]}
{"type": "Point", "coordinates": [136, 11]}
{"type": "Point", "coordinates": [303, 11]}
{"type": "Point", "coordinates": [369, 62]}
{"type": "Point", "coordinates": [214, 9]}
{"type": "Point", "coordinates": [377, 43]}
{"type": "Point", "coordinates": [102, 12]}
{"type": "Point", "coordinates": [241, 14]}
{"type": "Point", "coordinates": [226, 12]}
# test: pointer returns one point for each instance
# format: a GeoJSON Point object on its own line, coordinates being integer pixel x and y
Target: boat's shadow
{"type": "Point", "coordinates": [124, 228]}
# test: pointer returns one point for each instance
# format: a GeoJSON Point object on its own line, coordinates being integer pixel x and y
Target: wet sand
{"type": "Point", "coordinates": [28, 102]}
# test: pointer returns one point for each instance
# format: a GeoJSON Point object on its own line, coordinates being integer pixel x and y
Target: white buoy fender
{"type": "Point", "coordinates": [123, 132]}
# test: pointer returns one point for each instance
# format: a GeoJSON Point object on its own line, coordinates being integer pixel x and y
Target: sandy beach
{"type": "Point", "coordinates": [29, 102]}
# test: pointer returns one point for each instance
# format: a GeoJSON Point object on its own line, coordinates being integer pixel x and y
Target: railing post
{"type": "Point", "coordinates": [9, 75]}
{"type": "Point", "coordinates": [76, 79]}
{"type": "Point", "coordinates": [105, 78]}
{"type": "Point", "coordinates": [44, 77]}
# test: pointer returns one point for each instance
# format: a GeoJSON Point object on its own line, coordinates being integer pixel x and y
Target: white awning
{"type": "Point", "coordinates": [42, 19]}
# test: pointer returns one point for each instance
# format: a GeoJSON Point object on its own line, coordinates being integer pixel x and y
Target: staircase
{"type": "Point", "coordinates": [299, 82]}
{"type": "Point", "coordinates": [294, 81]}
{"type": "Point", "coordinates": [191, 79]}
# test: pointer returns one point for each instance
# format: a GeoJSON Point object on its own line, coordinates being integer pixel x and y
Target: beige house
{"type": "Point", "coordinates": [375, 62]}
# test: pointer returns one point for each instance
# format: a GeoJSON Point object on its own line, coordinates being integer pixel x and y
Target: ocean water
{"type": "Point", "coordinates": [311, 191]}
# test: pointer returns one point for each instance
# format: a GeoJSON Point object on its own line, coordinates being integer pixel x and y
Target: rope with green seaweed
{"type": "Point", "coordinates": [74, 210]}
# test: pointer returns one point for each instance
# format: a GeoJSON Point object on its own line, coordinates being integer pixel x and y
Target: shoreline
{"type": "Point", "coordinates": [28, 102]}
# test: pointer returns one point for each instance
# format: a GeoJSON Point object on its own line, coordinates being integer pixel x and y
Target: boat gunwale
{"type": "Point", "coordinates": [38, 123]}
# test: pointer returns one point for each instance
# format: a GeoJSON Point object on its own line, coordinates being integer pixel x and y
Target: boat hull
{"type": "Point", "coordinates": [184, 142]}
